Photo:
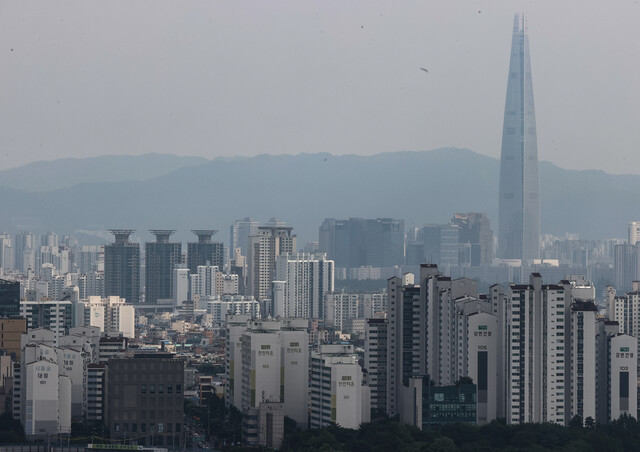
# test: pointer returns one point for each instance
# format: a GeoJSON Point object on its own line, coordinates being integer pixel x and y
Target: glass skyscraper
{"type": "Point", "coordinates": [519, 202]}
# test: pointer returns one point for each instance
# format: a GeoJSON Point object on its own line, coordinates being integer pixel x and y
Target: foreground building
{"type": "Point", "coordinates": [144, 398]}
{"type": "Point", "coordinates": [337, 393]}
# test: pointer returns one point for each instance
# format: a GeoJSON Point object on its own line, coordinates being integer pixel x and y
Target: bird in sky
{"type": "Point", "coordinates": [423, 69]}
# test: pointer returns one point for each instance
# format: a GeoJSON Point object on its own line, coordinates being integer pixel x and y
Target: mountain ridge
{"type": "Point", "coordinates": [303, 189]}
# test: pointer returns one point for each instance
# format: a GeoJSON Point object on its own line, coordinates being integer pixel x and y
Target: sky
{"type": "Point", "coordinates": [229, 78]}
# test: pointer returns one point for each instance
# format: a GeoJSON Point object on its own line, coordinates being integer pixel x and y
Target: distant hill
{"type": "Point", "coordinates": [425, 186]}
{"type": "Point", "coordinates": [63, 173]}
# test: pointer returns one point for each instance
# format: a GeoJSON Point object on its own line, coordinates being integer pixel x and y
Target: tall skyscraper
{"type": "Point", "coordinates": [519, 202]}
{"type": "Point", "coordinates": [204, 251]}
{"type": "Point", "coordinates": [122, 267]}
{"type": "Point", "coordinates": [161, 258]}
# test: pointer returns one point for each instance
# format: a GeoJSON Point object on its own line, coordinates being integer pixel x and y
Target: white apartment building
{"type": "Point", "coordinates": [536, 345]}
{"type": "Point", "coordinates": [478, 353]}
{"type": "Point", "coordinates": [340, 308]}
{"type": "Point", "coordinates": [268, 361]}
{"type": "Point", "coordinates": [261, 360]}
{"type": "Point", "coordinates": [111, 315]}
{"type": "Point", "coordinates": [207, 282]}
{"type": "Point", "coordinates": [302, 280]}
{"type": "Point", "coordinates": [264, 248]}
{"type": "Point", "coordinates": [180, 286]}
{"type": "Point", "coordinates": [220, 307]}
{"type": "Point", "coordinates": [622, 388]}
{"type": "Point", "coordinates": [236, 325]}
{"type": "Point", "coordinates": [337, 393]}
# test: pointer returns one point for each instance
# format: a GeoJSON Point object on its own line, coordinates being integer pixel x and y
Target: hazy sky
{"type": "Point", "coordinates": [210, 78]}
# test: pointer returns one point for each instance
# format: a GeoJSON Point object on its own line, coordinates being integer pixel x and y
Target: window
{"type": "Point", "coordinates": [152, 389]}
{"type": "Point", "coordinates": [134, 427]}
{"type": "Point", "coordinates": [116, 427]}
{"type": "Point", "coordinates": [178, 389]}
{"type": "Point", "coordinates": [143, 428]}
{"type": "Point", "coordinates": [160, 389]}
{"type": "Point", "coordinates": [169, 389]}
{"type": "Point", "coordinates": [143, 388]}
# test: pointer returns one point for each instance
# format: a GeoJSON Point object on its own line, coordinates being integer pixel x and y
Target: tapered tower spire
{"type": "Point", "coordinates": [519, 202]}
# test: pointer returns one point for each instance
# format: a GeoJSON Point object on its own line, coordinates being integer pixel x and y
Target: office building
{"type": "Point", "coordinates": [9, 299]}
{"type": "Point", "coordinates": [122, 267]}
{"type": "Point", "coordinates": [240, 231]}
{"type": "Point", "coordinates": [359, 242]}
{"type": "Point", "coordinates": [10, 332]}
{"type": "Point", "coordinates": [161, 259]}
{"type": "Point", "coordinates": [204, 251]}
{"type": "Point", "coordinates": [475, 238]}
{"type": "Point", "coordinates": [448, 405]}
{"type": "Point", "coordinates": [144, 398]}
{"type": "Point", "coordinates": [625, 264]}
{"type": "Point", "coordinates": [264, 248]}
{"type": "Point", "coordinates": [519, 199]}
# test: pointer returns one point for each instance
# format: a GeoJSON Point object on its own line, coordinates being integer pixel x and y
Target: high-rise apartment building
{"type": "Point", "coordinates": [375, 361]}
{"type": "Point", "coordinates": [264, 248]}
{"type": "Point", "coordinates": [268, 361]}
{"type": "Point", "coordinates": [161, 259]}
{"type": "Point", "coordinates": [406, 338]}
{"type": "Point", "coordinates": [112, 315]}
{"type": "Point", "coordinates": [337, 393]}
{"type": "Point", "coordinates": [582, 359]}
{"type": "Point", "coordinates": [536, 348]}
{"type": "Point", "coordinates": [300, 285]}
{"type": "Point", "coordinates": [519, 199]}
{"type": "Point", "coordinates": [122, 267]}
{"type": "Point", "coordinates": [204, 251]}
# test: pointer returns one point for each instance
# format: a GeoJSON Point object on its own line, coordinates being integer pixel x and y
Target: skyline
{"type": "Point", "coordinates": [82, 81]}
